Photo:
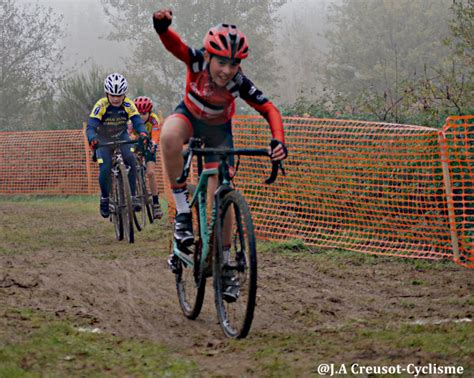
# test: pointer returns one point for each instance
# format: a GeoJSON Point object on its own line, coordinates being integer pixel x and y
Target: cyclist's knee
{"type": "Point", "coordinates": [129, 159]}
{"type": "Point", "coordinates": [150, 174]}
{"type": "Point", "coordinates": [170, 143]}
{"type": "Point", "coordinates": [175, 132]}
{"type": "Point", "coordinates": [105, 166]}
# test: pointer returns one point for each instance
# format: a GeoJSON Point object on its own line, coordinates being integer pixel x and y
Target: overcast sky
{"type": "Point", "coordinates": [87, 29]}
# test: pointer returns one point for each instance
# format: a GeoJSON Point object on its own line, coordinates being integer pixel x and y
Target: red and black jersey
{"type": "Point", "coordinates": [213, 104]}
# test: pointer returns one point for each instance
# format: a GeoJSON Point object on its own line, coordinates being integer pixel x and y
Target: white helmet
{"type": "Point", "coordinates": [115, 84]}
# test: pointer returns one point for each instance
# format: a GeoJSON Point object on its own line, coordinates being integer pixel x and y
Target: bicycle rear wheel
{"type": "Point", "coordinates": [236, 317]}
{"type": "Point", "coordinates": [115, 213]}
{"type": "Point", "coordinates": [140, 217]}
{"type": "Point", "coordinates": [126, 208]}
{"type": "Point", "coordinates": [148, 200]}
{"type": "Point", "coordinates": [190, 282]}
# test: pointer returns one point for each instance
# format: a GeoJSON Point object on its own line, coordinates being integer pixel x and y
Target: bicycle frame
{"type": "Point", "coordinates": [200, 195]}
{"type": "Point", "coordinates": [206, 229]}
{"type": "Point", "coordinates": [233, 267]}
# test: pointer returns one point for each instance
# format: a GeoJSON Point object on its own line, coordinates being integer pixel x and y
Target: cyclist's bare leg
{"type": "Point", "coordinates": [174, 134]}
{"type": "Point", "coordinates": [150, 172]}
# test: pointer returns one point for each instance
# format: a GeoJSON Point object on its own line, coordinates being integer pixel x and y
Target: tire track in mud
{"type": "Point", "coordinates": [134, 296]}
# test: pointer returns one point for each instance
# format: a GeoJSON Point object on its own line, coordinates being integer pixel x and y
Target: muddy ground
{"type": "Point", "coordinates": [131, 293]}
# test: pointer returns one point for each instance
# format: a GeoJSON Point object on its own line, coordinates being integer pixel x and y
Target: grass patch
{"type": "Point", "coordinates": [68, 224]}
{"type": "Point", "coordinates": [45, 347]}
{"type": "Point", "coordinates": [470, 301]}
{"type": "Point", "coordinates": [343, 259]}
{"type": "Point", "coordinates": [450, 344]}
{"type": "Point", "coordinates": [46, 198]}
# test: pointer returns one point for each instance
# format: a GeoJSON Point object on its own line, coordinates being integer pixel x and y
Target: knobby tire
{"type": "Point", "coordinates": [140, 217]}
{"type": "Point", "coordinates": [190, 282]}
{"type": "Point", "coordinates": [236, 318]}
{"type": "Point", "coordinates": [116, 215]}
{"type": "Point", "coordinates": [126, 205]}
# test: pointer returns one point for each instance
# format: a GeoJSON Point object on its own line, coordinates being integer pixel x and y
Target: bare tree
{"type": "Point", "coordinates": [29, 57]}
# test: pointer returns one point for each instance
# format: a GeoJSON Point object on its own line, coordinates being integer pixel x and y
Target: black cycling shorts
{"type": "Point", "coordinates": [214, 136]}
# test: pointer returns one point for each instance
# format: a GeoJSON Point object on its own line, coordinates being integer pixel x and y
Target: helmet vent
{"type": "Point", "coordinates": [241, 43]}
{"type": "Point", "coordinates": [215, 45]}
{"type": "Point", "coordinates": [224, 41]}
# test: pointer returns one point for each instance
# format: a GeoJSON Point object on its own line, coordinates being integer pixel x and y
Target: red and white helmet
{"type": "Point", "coordinates": [143, 104]}
{"type": "Point", "coordinates": [226, 41]}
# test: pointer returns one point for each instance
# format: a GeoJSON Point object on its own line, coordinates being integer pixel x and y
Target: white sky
{"type": "Point", "coordinates": [86, 28]}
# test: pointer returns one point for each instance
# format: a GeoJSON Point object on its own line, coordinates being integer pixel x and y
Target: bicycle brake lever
{"type": "Point", "coordinates": [275, 165]}
{"type": "Point", "coordinates": [280, 164]}
{"type": "Point", "coordinates": [274, 174]}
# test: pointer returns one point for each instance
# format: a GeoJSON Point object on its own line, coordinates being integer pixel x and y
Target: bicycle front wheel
{"type": "Point", "coordinates": [126, 208]}
{"type": "Point", "coordinates": [235, 266]}
{"type": "Point", "coordinates": [190, 281]}
{"type": "Point", "coordinates": [115, 213]}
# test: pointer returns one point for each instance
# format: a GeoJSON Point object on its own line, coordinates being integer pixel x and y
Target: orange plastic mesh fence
{"type": "Point", "coordinates": [50, 162]}
{"type": "Point", "coordinates": [370, 187]}
{"type": "Point", "coordinates": [367, 187]}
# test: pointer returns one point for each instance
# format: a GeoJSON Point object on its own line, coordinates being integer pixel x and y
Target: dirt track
{"type": "Point", "coordinates": [133, 295]}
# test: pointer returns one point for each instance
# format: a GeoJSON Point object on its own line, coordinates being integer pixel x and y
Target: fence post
{"type": "Point", "coordinates": [88, 160]}
{"type": "Point", "coordinates": [449, 194]}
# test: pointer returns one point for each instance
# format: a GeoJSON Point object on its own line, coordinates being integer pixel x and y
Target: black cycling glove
{"type": "Point", "coordinates": [161, 25]}
{"type": "Point", "coordinates": [275, 143]}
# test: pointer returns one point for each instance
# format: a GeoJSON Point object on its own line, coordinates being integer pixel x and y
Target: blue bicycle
{"type": "Point", "coordinates": [224, 245]}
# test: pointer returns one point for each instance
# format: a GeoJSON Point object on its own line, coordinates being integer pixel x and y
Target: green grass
{"type": "Point", "coordinates": [45, 347]}
{"type": "Point", "coordinates": [283, 354]}
{"type": "Point", "coordinates": [296, 249]}
{"type": "Point", "coordinates": [64, 224]}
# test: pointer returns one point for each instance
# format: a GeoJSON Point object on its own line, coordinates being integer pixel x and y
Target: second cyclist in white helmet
{"type": "Point", "coordinates": [108, 122]}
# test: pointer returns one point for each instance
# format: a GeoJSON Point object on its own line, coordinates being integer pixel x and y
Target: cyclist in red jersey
{"type": "Point", "coordinates": [153, 122]}
{"type": "Point", "coordinates": [213, 80]}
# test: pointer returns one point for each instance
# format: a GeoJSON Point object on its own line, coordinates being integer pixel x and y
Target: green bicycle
{"type": "Point", "coordinates": [211, 254]}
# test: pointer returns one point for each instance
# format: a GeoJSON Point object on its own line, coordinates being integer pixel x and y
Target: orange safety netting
{"type": "Point", "coordinates": [369, 187]}
{"type": "Point", "coordinates": [50, 162]}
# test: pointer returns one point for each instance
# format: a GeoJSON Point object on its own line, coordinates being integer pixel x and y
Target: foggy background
{"type": "Point", "coordinates": [86, 30]}
{"type": "Point", "coordinates": [406, 61]}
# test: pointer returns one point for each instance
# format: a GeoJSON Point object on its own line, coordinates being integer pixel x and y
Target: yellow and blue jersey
{"type": "Point", "coordinates": [108, 122]}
